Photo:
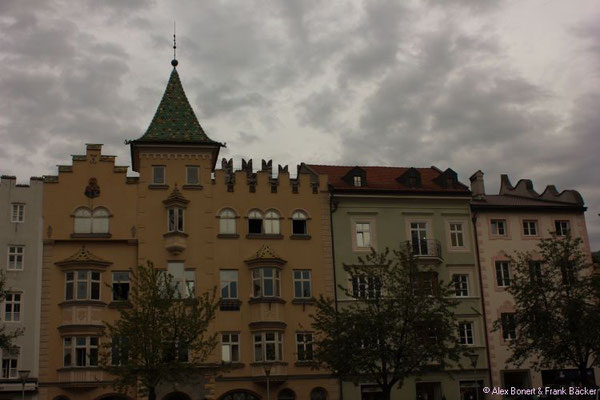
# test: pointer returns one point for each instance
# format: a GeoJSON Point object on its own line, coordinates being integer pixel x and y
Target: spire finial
{"type": "Point", "coordinates": [174, 62]}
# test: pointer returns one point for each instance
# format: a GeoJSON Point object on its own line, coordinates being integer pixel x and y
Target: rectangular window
{"type": "Point", "coordinates": [80, 351]}
{"type": "Point", "coordinates": [357, 181]}
{"type": "Point", "coordinates": [535, 271]}
{"type": "Point", "coordinates": [562, 228]}
{"type": "Point", "coordinates": [363, 234]}
{"type": "Point", "coordinates": [508, 326]}
{"type": "Point", "coordinates": [18, 213]}
{"type": "Point", "coordinates": [175, 219]}
{"type": "Point", "coordinates": [120, 285]}
{"type": "Point", "coordinates": [364, 287]}
{"type": "Point", "coordinates": [119, 352]}
{"type": "Point", "coordinates": [12, 307]}
{"type": "Point", "coordinates": [192, 175]}
{"type": "Point", "coordinates": [265, 282]}
{"type": "Point", "coordinates": [465, 333]}
{"type": "Point", "coordinates": [10, 363]}
{"type": "Point", "coordinates": [229, 284]}
{"type": "Point", "coordinates": [425, 283]}
{"type": "Point", "coordinates": [302, 283]}
{"type": "Point", "coordinates": [230, 347]}
{"type": "Point", "coordinates": [457, 235]}
{"type": "Point", "coordinates": [461, 285]}
{"type": "Point", "coordinates": [418, 235]}
{"type": "Point", "coordinates": [530, 228]}
{"type": "Point", "coordinates": [16, 257]}
{"type": "Point", "coordinates": [268, 346]}
{"type": "Point", "coordinates": [184, 281]}
{"type": "Point", "coordinates": [158, 174]}
{"type": "Point", "coordinates": [304, 346]}
{"type": "Point", "coordinates": [498, 227]}
{"type": "Point", "coordinates": [503, 273]}
{"type": "Point", "coordinates": [82, 285]}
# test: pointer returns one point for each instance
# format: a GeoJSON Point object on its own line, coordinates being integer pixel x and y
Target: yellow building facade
{"type": "Point", "coordinates": [263, 241]}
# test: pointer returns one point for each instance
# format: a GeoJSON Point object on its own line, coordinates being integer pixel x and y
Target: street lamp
{"type": "Point", "coordinates": [267, 369]}
{"type": "Point", "coordinates": [473, 357]}
{"type": "Point", "coordinates": [23, 375]}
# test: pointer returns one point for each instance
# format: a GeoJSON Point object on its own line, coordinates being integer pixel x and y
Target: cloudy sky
{"type": "Point", "coordinates": [502, 86]}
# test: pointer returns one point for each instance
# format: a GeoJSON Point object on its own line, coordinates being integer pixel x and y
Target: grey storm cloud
{"type": "Point", "coordinates": [378, 82]}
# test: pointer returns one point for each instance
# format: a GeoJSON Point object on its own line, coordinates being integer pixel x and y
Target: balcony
{"type": "Point", "coordinates": [427, 249]}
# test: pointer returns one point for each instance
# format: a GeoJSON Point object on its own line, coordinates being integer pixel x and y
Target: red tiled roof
{"type": "Point", "coordinates": [385, 179]}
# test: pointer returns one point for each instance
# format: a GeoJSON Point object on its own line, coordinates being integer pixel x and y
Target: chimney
{"type": "Point", "coordinates": [477, 185]}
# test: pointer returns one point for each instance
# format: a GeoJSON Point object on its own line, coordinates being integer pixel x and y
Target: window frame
{"type": "Point", "coordinates": [91, 351]}
{"type": "Point", "coordinates": [164, 174]}
{"type": "Point", "coordinates": [463, 334]}
{"type": "Point", "coordinates": [228, 284]}
{"type": "Point", "coordinates": [14, 304]}
{"type": "Point", "coordinates": [558, 223]}
{"type": "Point", "coordinates": [357, 181]}
{"type": "Point", "coordinates": [17, 217]}
{"type": "Point", "coordinates": [508, 325]}
{"type": "Point", "coordinates": [11, 354]}
{"type": "Point", "coordinates": [362, 234]}
{"type": "Point", "coordinates": [276, 279]}
{"type": "Point", "coordinates": [463, 286]}
{"type": "Point", "coordinates": [303, 282]}
{"type": "Point", "coordinates": [453, 232]}
{"type": "Point", "coordinates": [421, 240]}
{"type": "Point", "coordinates": [256, 215]}
{"type": "Point", "coordinates": [505, 273]}
{"type": "Point", "coordinates": [264, 343]}
{"type": "Point", "coordinates": [230, 343]}
{"type": "Point", "coordinates": [305, 346]}
{"type": "Point", "coordinates": [89, 282]}
{"type": "Point", "coordinates": [187, 175]}
{"type": "Point", "coordinates": [182, 282]}
{"type": "Point", "coordinates": [120, 282]}
{"type": "Point", "coordinates": [527, 231]}
{"type": "Point", "coordinates": [17, 252]}
{"type": "Point", "coordinates": [227, 219]}
{"type": "Point", "coordinates": [272, 222]}
{"type": "Point", "coordinates": [175, 219]}
{"type": "Point", "coordinates": [364, 288]}
{"type": "Point", "coordinates": [299, 216]}
{"type": "Point", "coordinates": [494, 227]}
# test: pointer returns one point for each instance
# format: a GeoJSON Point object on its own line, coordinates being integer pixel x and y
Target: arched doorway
{"type": "Point", "coordinates": [240, 395]}
{"type": "Point", "coordinates": [177, 396]}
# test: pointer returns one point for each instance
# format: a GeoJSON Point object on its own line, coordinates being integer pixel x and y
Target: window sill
{"type": "Point", "coordinates": [232, 365]}
{"type": "Point", "coordinates": [308, 300]}
{"type": "Point", "coordinates": [229, 304]}
{"type": "Point", "coordinates": [300, 237]}
{"type": "Point", "coordinates": [175, 233]}
{"type": "Point", "coordinates": [155, 186]}
{"type": "Point", "coordinates": [256, 300]}
{"type": "Point", "coordinates": [192, 186]}
{"type": "Point", "coordinates": [264, 236]}
{"type": "Point", "coordinates": [228, 236]}
{"type": "Point", "coordinates": [119, 304]}
{"type": "Point", "coordinates": [98, 303]}
{"type": "Point", "coordinates": [91, 235]}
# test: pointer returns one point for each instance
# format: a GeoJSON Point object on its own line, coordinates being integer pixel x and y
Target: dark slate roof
{"type": "Point", "coordinates": [386, 179]}
{"type": "Point", "coordinates": [175, 120]}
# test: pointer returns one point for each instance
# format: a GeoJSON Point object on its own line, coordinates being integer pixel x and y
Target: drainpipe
{"type": "Point", "coordinates": [487, 342]}
{"type": "Point", "coordinates": [335, 297]}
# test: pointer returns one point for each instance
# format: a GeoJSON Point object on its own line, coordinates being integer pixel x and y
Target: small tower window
{"type": "Point", "coordinates": [255, 222]}
{"type": "Point", "coordinates": [357, 181]}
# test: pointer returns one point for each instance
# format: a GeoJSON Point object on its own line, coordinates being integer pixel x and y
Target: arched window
{"type": "Point", "coordinates": [299, 223]}
{"type": "Point", "coordinates": [83, 220]}
{"type": "Point", "coordinates": [227, 222]}
{"type": "Point", "coordinates": [100, 220]}
{"type": "Point", "coordinates": [286, 394]}
{"type": "Point", "coordinates": [255, 222]}
{"type": "Point", "coordinates": [272, 223]}
{"type": "Point", "coordinates": [318, 394]}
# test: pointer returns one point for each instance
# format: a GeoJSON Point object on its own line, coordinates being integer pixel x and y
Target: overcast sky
{"type": "Point", "coordinates": [502, 86]}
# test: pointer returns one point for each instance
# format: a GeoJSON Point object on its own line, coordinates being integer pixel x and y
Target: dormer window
{"type": "Point", "coordinates": [357, 181]}
{"type": "Point", "coordinates": [175, 219]}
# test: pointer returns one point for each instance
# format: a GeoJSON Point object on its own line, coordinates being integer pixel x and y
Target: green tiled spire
{"type": "Point", "coordinates": [174, 120]}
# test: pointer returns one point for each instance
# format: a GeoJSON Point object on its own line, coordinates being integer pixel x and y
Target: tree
{"type": "Point", "coordinates": [557, 308]}
{"type": "Point", "coordinates": [7, 336]}
{"type": "Point", "coordinates": [400, 324]}
{"type": "Point", "coordinates": [160, 336]}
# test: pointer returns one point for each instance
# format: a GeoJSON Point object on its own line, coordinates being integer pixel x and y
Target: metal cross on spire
{"type": "Point", "coordinates": [174, 62]}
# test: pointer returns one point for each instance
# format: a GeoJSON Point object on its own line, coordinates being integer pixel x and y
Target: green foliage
{"type": "Point", "coordinates": [160, 337]}
{"type": "Point", "coordinates": [7, 335]}
{"type": "Point", "coordinates": [403, 326]}
{"type": "Point", "coordinates": [557, 311]}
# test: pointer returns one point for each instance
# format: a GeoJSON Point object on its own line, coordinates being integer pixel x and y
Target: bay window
{"type": "Point", "coordinates": [265, 282]}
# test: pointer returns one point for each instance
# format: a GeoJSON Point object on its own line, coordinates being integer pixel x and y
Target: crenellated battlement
{"type": "Point", "coordinates": [8, 181]}
{"type": "Point", "coordinates": [264, 179]}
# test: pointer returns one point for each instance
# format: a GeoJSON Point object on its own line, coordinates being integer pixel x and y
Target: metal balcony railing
{"type": "Point", "coordinates": [427, 248]}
